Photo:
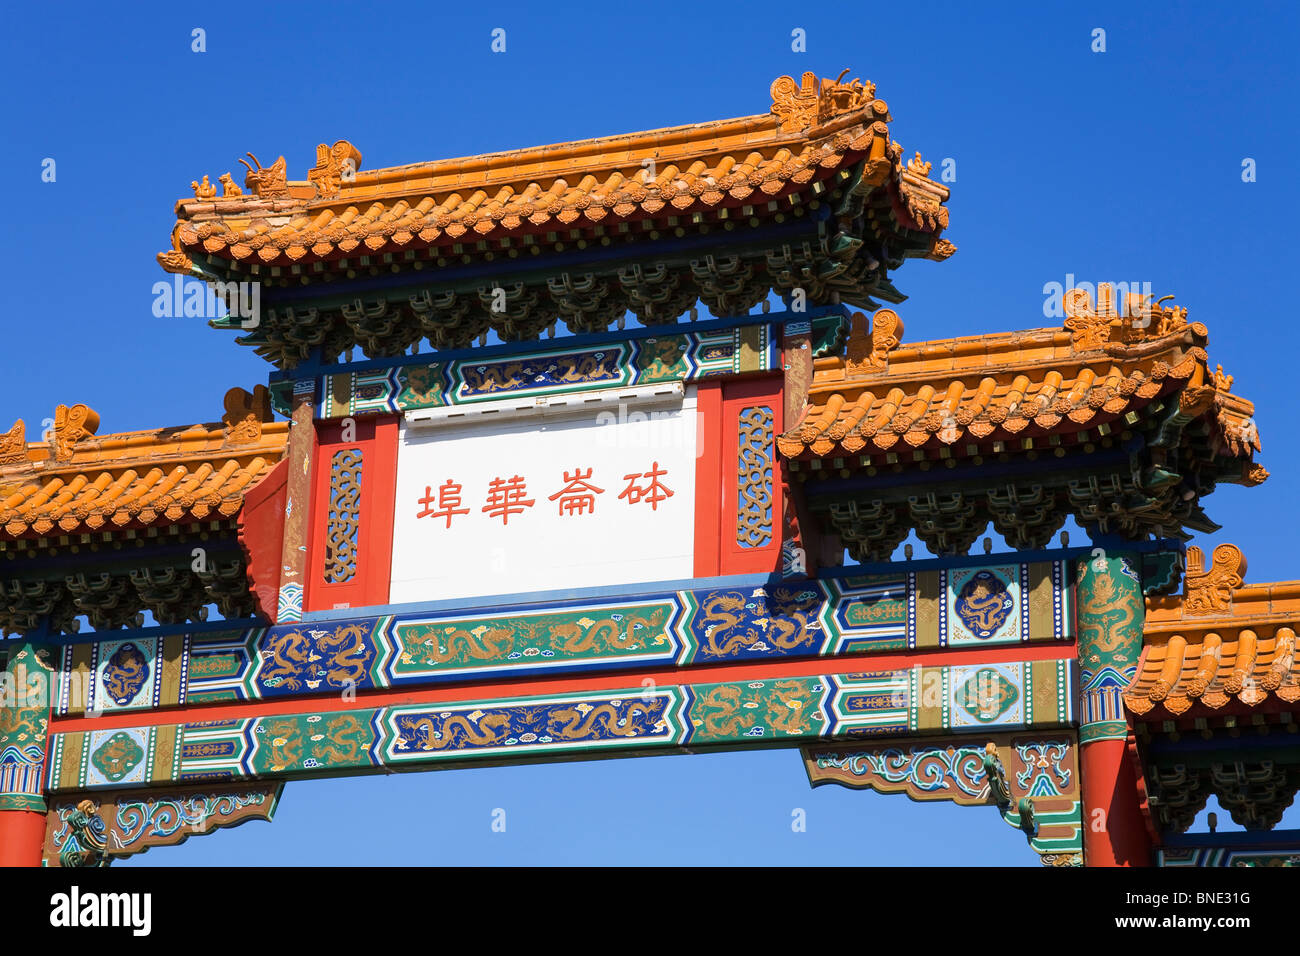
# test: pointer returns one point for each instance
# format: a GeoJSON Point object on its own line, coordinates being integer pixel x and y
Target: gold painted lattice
{"type": "Point", "coordinates": [754, 478]}
{"type": "Point", "coordinates": [341, 532]}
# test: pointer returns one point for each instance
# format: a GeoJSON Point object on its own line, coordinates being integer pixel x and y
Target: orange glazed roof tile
{"type": "Point", "coordinates": [79, 481]}
{"type": "Point", "coordinates": [1220, 643]}
{"type": "Point", "coordinates": [883, 396]}
{"type": "Point", "coordinates": [811, 131]}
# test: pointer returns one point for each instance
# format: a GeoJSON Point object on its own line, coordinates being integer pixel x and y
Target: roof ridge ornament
{"type": "Point", "coordinates": [1137, 317]}
{"type": "Point", "coordinates": [71, 425]}
{"type": "Point", "coordinates": [13, 444]}
{"type": "Point", "coordinates": [203, 189]}
{"type": "Point", "coordinates": [268, 182]}
{"type": "Point", "coordinates": [228, 187]}
{"type": "Point", "coordinates": [919, 166]}
{"type": "Point", "coordinates": [1210, 591]}
{"type": "Point", "coordinates": [335, 165]}
{"type": "Point", "coordinates": [245, 414]}
{"type": "Point", "coordinates": [811, 103]}
{"type": "Point", "coordinates": [871, 353]}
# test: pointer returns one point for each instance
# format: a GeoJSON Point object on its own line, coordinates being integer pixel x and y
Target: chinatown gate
{"type": "Point", "coordinates": [501, 524]}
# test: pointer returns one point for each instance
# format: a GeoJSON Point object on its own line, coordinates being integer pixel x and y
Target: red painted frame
{"type": "Point", "coordinates": [737, 396]}
{"type": "Point", "coordinates": [708, 479]}
{"type": "Point", "coordinates": [376, 437]}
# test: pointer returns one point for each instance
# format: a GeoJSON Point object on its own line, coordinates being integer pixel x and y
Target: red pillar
{"type": "Point", "coordinates": [24, 730]}
{"type": "Point", "coordinates": [1117, 836]}
{"type": "Point", "coordinates": [22, 832]}
{"type": "Point", "coordinates": [1112, 608]}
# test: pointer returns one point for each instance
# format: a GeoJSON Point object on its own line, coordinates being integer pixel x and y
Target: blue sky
{"type": "Point", "coordinates": [1124, 165]}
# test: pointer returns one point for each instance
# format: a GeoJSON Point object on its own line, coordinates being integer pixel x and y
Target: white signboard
{"type": "Point", "coordinates": [572, 499]}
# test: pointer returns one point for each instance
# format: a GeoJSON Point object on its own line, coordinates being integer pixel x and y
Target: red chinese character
{"type": "Point", "coordinates": [579, 495]}
{"type": "Point", "coordinates": [448, 502]}
{"type": "Point", "coordinates": [655, 492]}
{"type": "Point", "coordinates": [506, 498]}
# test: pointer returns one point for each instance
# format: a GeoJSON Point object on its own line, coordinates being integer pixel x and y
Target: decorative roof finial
{"type": "Point", "coordinates": [335, 165]}
{"type": "Point", "coordinates": [1091, 327]}
{"type": "Point", "coordinates": [228, 187]}
{"type": "Point", "coordinates": [810, 103]}
{"type": "Point", "coordinates": [1210, 591]}
{"type": "Point", "coordinates": [71, 425]}
{"type": "Point", "coordinates": [13, 444]}
{"type": "Point", "coordinates": [204, 189]}
{"type": "Point", "coordinates": [268, 182]}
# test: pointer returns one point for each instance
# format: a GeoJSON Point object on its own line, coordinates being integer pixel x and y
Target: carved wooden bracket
{"type": "Point", "coordinates": [1037, 792]}
{"type": "Point", "coordinates": [111, 824]}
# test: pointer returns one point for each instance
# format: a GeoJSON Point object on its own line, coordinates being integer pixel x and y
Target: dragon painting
{"type": "Point", "coordinates": [609, 633]}
{"type": "Point", "coordinates": [453, 732]}
{"type": "Point", "coordinates": [586, 722]}
{"type": "Point", "coordinates": [457, 645]}
{"type": "Point", "coordinates": [125, 673]}
{"type": "Point", "coordinates": [1110, 617]}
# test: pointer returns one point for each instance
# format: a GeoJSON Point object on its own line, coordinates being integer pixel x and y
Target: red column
{"type": "Point", "coordinates": [24, 731]}
{"type": "Point", "coordinates": [22, 832]}
{"type": "Point", "coordinates": [1112, 608]}
{"type": "Point", "coordinates": [1117, 835]}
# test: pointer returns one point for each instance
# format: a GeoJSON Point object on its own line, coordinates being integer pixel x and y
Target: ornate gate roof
{"type": "Point", "coordinates": [812, 195]}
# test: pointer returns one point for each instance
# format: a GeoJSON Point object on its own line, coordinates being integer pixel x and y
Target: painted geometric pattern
{"type": "Point", "coordinates": [810, 618]}
{"type": "Point", "coordinates": [875, 613]}
{"type": "Point", "coordinates": [289, 605]}
{"type": "Point", "coordinates": [754, 477]}
{"type": "Point", "coordinates": [686, 356]}
{"type": "Point", "coordinates": [729, 714]}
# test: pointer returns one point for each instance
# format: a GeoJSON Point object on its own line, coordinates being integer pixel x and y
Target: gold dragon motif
{"type": "Point", "coordinates": [445, 736]}
{"type": "Point", "coordinates": [722, 615]}
{"type": "Point", "coordinates": [721, 711]}
{"type": "Point", "coordinates": [1108, 633]}
{"type": "Point", "coordinates": [570, 723]}
{"type": "Point", "coordinates": [288, 653]}
{"type": "Point", "coordinates": [457, 644]}
{"type": "Point", "coordinates": [285, 743]}
{"type": "Point", "coordinates": [571, 638]}
{"type": "Point", "coordinates": [347, 665]}
{"type": "Point", "coordinates": [785, 710]}
{"type": "Point", "coordinates": [343, 739]}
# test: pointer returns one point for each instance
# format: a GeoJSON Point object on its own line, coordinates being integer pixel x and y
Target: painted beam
{"type": "Point", "coordinates": [564, 366]}
{"type": "Point", "coordinates": [942, 610]}
{"type": "Point", "coordinates": [632, 719]}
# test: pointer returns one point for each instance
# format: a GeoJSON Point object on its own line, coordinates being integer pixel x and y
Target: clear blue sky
{"type": "Point", "coordinates": [1123, 165]}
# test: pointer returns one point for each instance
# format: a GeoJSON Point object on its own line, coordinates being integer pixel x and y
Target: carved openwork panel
{"type": "Point", "coordinates": [344, 516]}
{"type": "Point", "coordinates": [754, 478]}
